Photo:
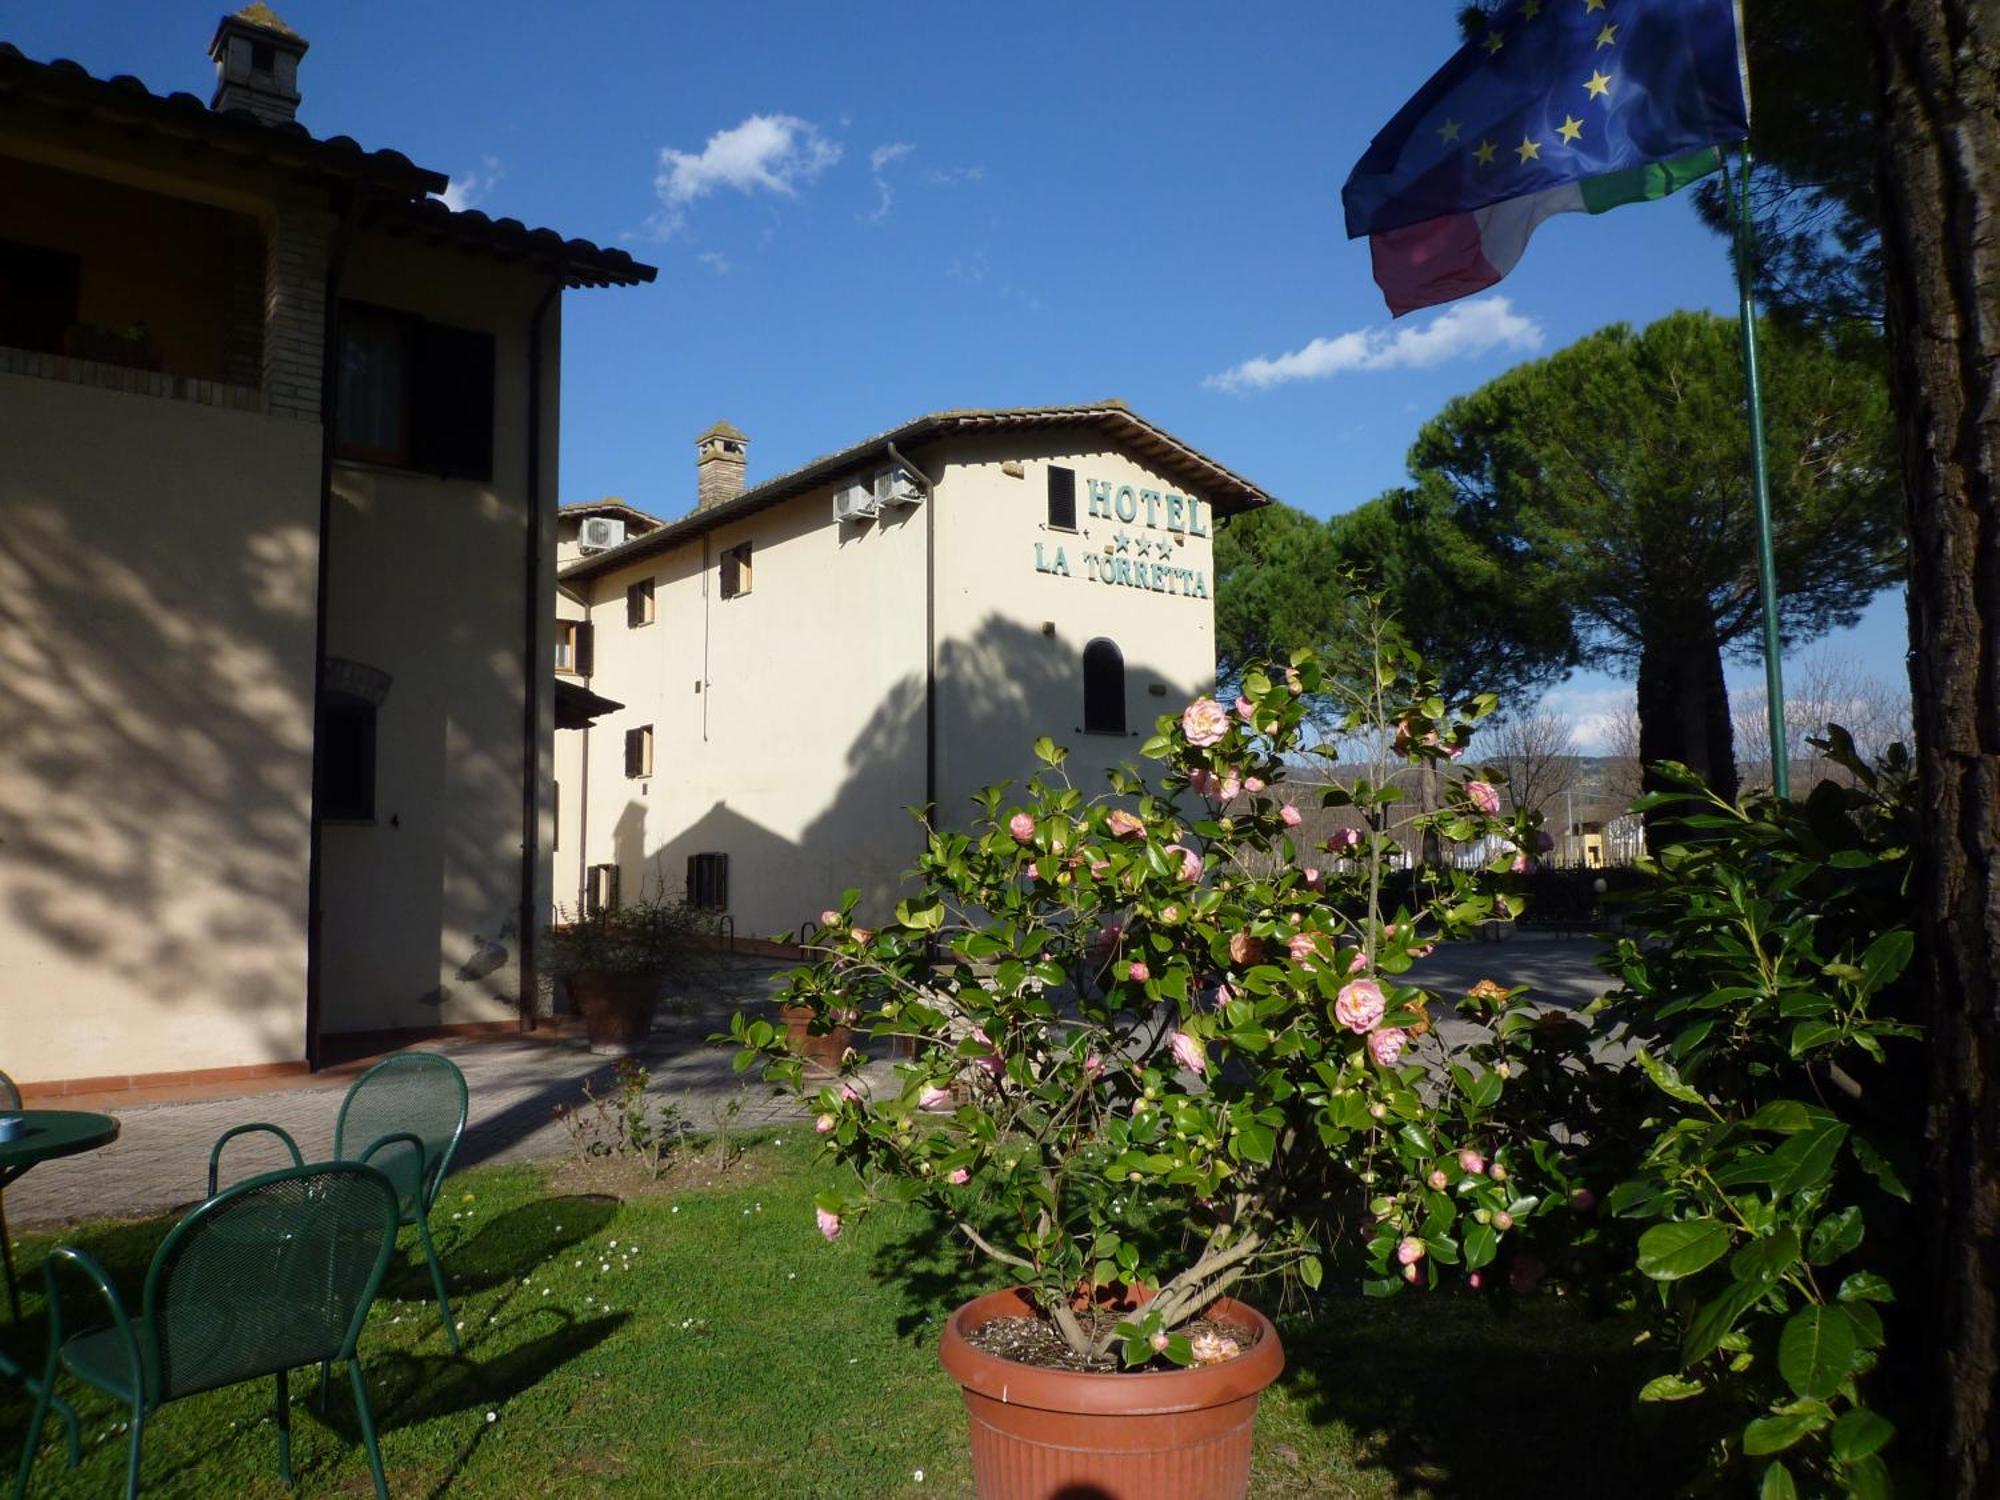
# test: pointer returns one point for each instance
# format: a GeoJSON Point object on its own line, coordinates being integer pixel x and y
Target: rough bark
{"type": "Point", "coordinates": [1684, 709]}
{"type": "Point", "coordinates": [1939, 75]}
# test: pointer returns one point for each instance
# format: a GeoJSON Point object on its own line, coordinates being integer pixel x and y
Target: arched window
{"type": "Point", "coordinates": [1103, 688]}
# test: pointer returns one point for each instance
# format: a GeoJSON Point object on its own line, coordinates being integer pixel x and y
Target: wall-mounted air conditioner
{"type": "Point", "coordinates": [600, 534]}
{"type": "Point", "coordinates": [897, 487]}
{"type": "Point", "coordinates": [854, 502]}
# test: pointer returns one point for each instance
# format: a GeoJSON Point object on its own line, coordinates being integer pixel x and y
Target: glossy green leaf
{"type": "Point", "coordinates": [1776, 1434]}
{"type": "Point", "coordinates": [1806, 1159]}
{"type": "Point", "coordinates": [1777, 1483]}
{"type": "Point", "coordinates": [1670, 1388]}
{"type": "Point", "coordinates": [1860, 1432]}
{"type": "Point", "coordinates": [1816, 1351]}
{"type": "Point", "coordinates": [1834, 1236]}
{"type": "Point", "coordinates": [1668, 1252]}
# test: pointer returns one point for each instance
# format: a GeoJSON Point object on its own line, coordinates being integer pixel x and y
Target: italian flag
{"type": "Point", "coordinates": [1443, 259]}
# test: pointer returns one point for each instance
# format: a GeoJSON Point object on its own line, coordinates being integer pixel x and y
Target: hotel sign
{"type": "Point", "coordinates": [1132, 558]}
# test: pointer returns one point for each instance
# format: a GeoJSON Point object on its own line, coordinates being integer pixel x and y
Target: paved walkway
{"type": "Point", "coordinates": [160, 1160]}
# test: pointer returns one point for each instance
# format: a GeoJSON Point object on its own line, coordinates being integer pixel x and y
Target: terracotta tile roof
{"type": "Point", "coordinates": [400, 186]}
{"type": "Point", "coordinates": [1224, 489]}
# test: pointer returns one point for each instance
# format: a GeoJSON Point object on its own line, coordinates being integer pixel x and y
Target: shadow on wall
{"type": "Point", "coordinates": [155, 767]}
{"type": "Point", "coordinates": [999, 691]}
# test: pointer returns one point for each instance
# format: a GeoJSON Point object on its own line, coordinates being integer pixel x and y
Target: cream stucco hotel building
{"type": "Point", "coordinates": [794, 665]}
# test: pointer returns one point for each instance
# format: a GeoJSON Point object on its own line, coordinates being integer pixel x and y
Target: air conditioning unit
{"type": "Point", "coordinates": [600, 534]}
{"type": "Point", "coordinates": [854, 502]}
{"type": "Point", "coordinates": [897, 487]}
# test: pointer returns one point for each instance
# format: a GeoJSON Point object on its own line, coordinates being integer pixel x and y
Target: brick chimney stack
{"type": "Point", "coordinates": [256, 59]}
{"type": "Point", "coordinates": [719, 464]}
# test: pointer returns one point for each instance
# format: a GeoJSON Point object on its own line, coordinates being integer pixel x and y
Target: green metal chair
{"type": "Point", "coordinates": [276, 1273]}
{"type": "Point", "coordinates": [405, 1115]}
{"type": "Point", "coordinates": [10, 1098]}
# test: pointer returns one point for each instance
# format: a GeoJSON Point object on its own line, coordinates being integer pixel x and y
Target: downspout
{"type": "Point", "coordinates": [930, 635]}
{"type": "Point", "coordinates": [533, 665]}
{"type": "Point", "coordinates": [329, 399]}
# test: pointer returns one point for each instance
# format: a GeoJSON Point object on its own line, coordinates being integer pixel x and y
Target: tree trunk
{"type": "Point", "coordinates": [1684, 709]}
{"type": "Point", "coordinates": [1939, 76]}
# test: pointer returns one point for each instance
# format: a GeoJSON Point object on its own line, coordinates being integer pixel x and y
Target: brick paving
{"type": "Point", "coordinates": [160, 1160]}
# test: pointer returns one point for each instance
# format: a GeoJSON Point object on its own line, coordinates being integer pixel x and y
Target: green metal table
{"type": "Point", "coordinates": [45, 1134]}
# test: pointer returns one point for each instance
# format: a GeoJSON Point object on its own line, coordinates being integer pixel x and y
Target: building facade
{"type": "Point", "coordinates": [802, 666]}
{"type": "Point", "coordinates": [278, 440]}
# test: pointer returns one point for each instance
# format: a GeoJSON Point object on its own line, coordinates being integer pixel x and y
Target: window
{"type": "Point", "coordinates": [573, 647]}
{"type": "Point", "coordinates": [263, 57]}
{"type": "Point", "coordinates": [639, 751]}
{"type": "Point", "coordinates": [600, 890]}
{"type": "Point", "coordinates": [1062, 499]}
{"type": "Point", "coordinates": [414, 395]}
{"type": "Point", "coordinates": [347, 759]}
{"type": "Point", "coordinates": [1103, 688]}
{"type": "Point", "coordinates": [639, 603]}
{"type": "Point", "coordinates": [38, 296]}
{"type": "Point", "coordinates": [736, 570]}
{"type": "Point", "coordinates": [708, 882]}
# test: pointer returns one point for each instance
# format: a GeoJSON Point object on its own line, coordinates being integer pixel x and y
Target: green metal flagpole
{"type": "Point", "coordinates": [1760, 470]}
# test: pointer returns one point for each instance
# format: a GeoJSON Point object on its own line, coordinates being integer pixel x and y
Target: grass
{"type": "Point", "coordinates": [706, 1342]}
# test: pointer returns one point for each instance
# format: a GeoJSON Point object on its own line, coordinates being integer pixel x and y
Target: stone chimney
{"type": "Point", "coordinates": [719, 462]}
{"type": "Point", "coordinates": [257, 64]}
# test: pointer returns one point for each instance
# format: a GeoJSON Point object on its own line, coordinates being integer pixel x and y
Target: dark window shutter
{"type": "Point", "coordinates": [708, 881]}
{"type": "Point", "coordinates": [635, 752]}
{"type": "Point", "coordinates": [732, 574]}
{"type": "Point", "coordinates": [1062, 498]}
{"type": "Point", "coordinates": [1103, 687]}
{"type": "Point", "coordinates": [452, 402]}
{"type": "Point", "coordinates": [583, 647]}
{"type": "Point", "coordinates": [347, 758]}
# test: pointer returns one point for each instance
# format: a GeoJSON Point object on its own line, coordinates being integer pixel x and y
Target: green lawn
{"type": "Point", "coordinates": [708, 1343]}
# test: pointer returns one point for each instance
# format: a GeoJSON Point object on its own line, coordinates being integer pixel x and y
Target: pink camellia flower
{"type": "Point", "coordinates": [1093, 1067]}
{"type": "Point", "coordinates": [1230, 789]}
{"type": "Point", "coordinates": [1223, 995]}
{"type": "Point", "coordinates": [1312, 878]}
{"type": "Point", "coordinates": [1359, 1005]}
{"type": "Point", "coordinates": [1412, 1274]}
{"type": "Point", "coordinates": [1171, 913]}
{"type": "Point", "coordinates": [1099, 868]}
{"type": "Point", "coordinates": [863, 934]}
{"type": "Point", "coordinates": [1204, 722]}
{"type": "Point", "coordinates": [1160, 1342]}
{"type": "Point", "coordinates": [1253, 784]}
{"type": "Point", "coordinates": [1245, 709]}
{"type": "Point", "coordinates": [958, 1177]}
{"type": "Point", "coordinates": [1471, 1161]}
{"type": "Point", "coordinates": [1291, 816]}
{"type": "Point", "coordinates": [1522, 864]}
{"type": "Point", "coordinates": [1475, 1281]}
{"type": "Point", "coordinates": [1484, 796]}
{"type": "Point", "coordinates": [1423, 950]}
{"type": "Point", "coordinates": [1497, 1172]}
{"type": "Point", "coordinates": [1292, 683]}
{"type": "Point", "coordinates": [1359, 963]}
{"type": "Point", "coordinates": [1454, 751]}
{"type": "Point", "coordinates": [1190, 861]}
{"type": "Point", "coordinates": [1202, 782]}
{"type": "Point", "coordinates": [1022, 827]}
{"type": "Point", "coordinates": [1438, 1181]}
{"type": "Point", "coordinates": [825, 1123]}
{"type": "Point", "coordinates": [1137, 971]}
{"type": "Point", "coordinates": [1245, 948]}
{"type": "Point", "coordinates": [1503, 1221]}
{"type": "Point", "coordinates": [1410, 1251]}
{"type": "Point", "coordinates": [1341, 842]}
{"type": "Point", "coordinates": [1214, 1348]}
{"type": "Point", "coordinates": [1190, 1053]}
{"type": "Point", "coordinates": [1386, 1046]}
{"type": "Point", "coordinates": [850, 1093]}
{"type": "Point", "coordinates": [934, 1097]}
{"type": "Point", "coordinates": [829, 1224]}
{"type": "Point", "coordinates": [1304, 946]}
{"type": "Point", "coordinates": [829, 919]}
{"type": "Point", "coordinates": [1124, 825]}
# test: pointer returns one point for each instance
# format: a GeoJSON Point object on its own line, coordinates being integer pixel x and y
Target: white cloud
{"type": "Point", "coordinates": [470, 190]}
{"type": "Point", "coordinates": [716, 261]}
{"type": "Point", "coordinates": [879, 158]}
{"type": "Point", "coordinates": [1599, 718]}
{"type": "Point", "coordinates": [1460, 332]}
{"type": "Point", "coordinates": [949, 177]}
{"type": "Point", "coordinates": [765, 154]}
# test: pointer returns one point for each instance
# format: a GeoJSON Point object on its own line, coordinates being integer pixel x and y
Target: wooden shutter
{"type": "Point", "coordinates": [732, 574]}
{"type": "Point", "coordinates": [452, 402]}
{"type": "Point", "coordinates": [582, 647]}
{"type": "Point", "coordinates": [635, 752]}
{"type": "Point", "coordinates": [1062, 498]}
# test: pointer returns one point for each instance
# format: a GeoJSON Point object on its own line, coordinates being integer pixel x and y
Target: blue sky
{"type": "Point", "coordinates": [866, 211]}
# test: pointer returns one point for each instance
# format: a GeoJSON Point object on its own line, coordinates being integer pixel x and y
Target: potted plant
{"type": "Point", "coordinates": [617, 962]}
{"type": "Point", "coordinates": [1152, 1044]}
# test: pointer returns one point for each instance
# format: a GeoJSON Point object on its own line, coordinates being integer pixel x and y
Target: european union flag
{"type": "Point", "coordinates": [1557, 106]}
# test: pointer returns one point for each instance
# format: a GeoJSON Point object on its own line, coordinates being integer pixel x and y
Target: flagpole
{"type": "Point", "coordinates": [1760, 471]}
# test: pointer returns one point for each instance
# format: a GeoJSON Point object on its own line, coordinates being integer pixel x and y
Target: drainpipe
{"type": "Point", "coordinates": [534, 665]}
{"type": "Point", "coordinates": [930, 634]}
{"type": "Point", "coordinates": [329, 397]}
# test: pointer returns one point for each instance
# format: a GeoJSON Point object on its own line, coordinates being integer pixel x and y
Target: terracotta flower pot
{"type": "Point", "coordinates": [1042, 1434]}
{"type": "Point", "coordinates": [617, 1009]}
{"type": "Point", "coordinates": [823, 1051]}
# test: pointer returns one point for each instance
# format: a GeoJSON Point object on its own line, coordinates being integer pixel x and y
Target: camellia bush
{"type": "Point", "coordinates": [1152, 1046]}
